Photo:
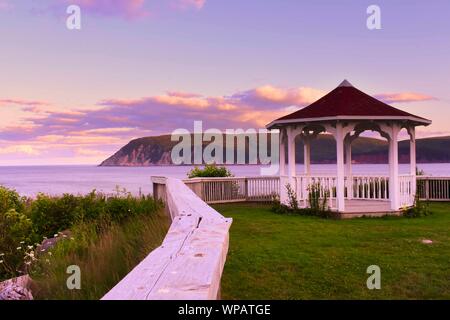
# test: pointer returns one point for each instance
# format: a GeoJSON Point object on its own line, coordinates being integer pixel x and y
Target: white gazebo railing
{"type": "Point", "coordinates": [235, 189]}
{"type": "Point", "coordinates": [433, 188]}
{"type": "Point", "coordinates": [368, 187]}
{"type": "Point", "coordinates": [357, 187]}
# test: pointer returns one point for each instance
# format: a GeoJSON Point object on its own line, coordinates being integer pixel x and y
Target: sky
{"type": "Point", "coordinates": [147, 67]}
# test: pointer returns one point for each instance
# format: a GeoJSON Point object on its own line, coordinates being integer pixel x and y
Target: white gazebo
{"type": "Point", "coordinates": [345, 113]}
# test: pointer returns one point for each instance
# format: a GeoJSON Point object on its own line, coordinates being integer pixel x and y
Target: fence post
{"type": "Point", "coordinates": [427, 188]}
{"type": "Point", "coordinates": [246, 188]}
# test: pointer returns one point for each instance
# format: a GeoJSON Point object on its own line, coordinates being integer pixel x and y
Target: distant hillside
{"type": "Point", "coordinates": [149, 151]}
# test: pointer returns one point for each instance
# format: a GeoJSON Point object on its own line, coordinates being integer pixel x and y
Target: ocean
{"type": "Point", "coordinates": [55, 180]}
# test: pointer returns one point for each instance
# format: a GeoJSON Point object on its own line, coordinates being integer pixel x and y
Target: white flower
{"type": "Point", "coordinates": [19, 248]}
{"type": "Point", "coordinates": [2, 254]}
{"type": "Point", "coordinates": [55, 235]}
{"type": "Point", "coordinates": [42, 250]}
{"type": "Point", "coordinates": [30, 247]}
{"type": "Point", "coordinates": [64, 236]}
{"type": "Point", "coordinates": [22, 242]}
{"type": "Point", "coordinates": [46, 260]}
{"type": "Point", "coordinates": [49, 253]}
{"type": "Point", "coordinates": [1, 261]}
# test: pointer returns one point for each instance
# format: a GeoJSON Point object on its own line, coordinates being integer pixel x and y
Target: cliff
{"type": "Point", "coordinates": [150, 151]}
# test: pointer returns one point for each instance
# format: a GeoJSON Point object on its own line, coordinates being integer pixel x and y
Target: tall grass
{"type": "Point", "coordinates": [105, 253]}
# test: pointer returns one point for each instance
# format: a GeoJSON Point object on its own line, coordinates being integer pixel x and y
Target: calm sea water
{"type": "Point", "coordinates": [30, 180]}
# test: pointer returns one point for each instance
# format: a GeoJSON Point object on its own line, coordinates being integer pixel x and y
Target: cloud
{"type": "Point", "coordinates": [186, 4]}
{"type": "Point", "coordinates": [113, 122]}
{"type": "Point", "coordinates": [19, 149]}
{"type": "Point", "coordinates": [271, 96]}
{"type": "Point", "coordinates": [403, 97]}
{"type": "Point", "coordinates": [23, 102]}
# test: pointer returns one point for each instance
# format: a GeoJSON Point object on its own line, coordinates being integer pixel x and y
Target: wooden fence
{"type": "Point", "coordinates": [189, 263]}
{"type": "Point", "coordinates": [263, 189]}
{"type": "Point", "coordinates": [433, 188]}
{"type": "Point", "coordinates": [234, 189]}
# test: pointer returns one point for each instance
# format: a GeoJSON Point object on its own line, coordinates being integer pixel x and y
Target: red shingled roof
{"type": "Point", "coordinates": [346, 100]}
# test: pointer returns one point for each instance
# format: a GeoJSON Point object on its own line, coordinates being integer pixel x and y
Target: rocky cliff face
{"type": "Point", "coordinates": [153, 151]}
{"type": "Point", "coordinates": [143, 152]}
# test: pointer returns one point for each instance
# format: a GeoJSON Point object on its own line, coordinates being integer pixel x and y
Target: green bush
{"type": "Point", "coordinates": [318, 206]}
{"type": "Point", "coordinates": [25, 222]}
{"type": "Point", "coordinates": [419, 209]}
{"type": "Point", "coordinates": [53, 214]}
{"type": "Point", "coordinates": [10, 199]}
{"type": "Point", "coordinates": [209, 171]}
{"type": "Point", "coordinates": [15, 236]}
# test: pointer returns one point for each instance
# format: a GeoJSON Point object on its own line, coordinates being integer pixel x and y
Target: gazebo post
{"type": "Point", "coordinates": [348, 162]}
{"type": "Point", "coordinates": [393, 168]}
{"type": "Point", "coordinates": [412, 158]}
{"type": "Point", "coordinates": [282, 154]}
{"type": "Point", "coordinates": [340, 183]}
{"type": "Point", "coordinates": [291, 154]}
{"type": "Point", "coordinates": [307, 156]}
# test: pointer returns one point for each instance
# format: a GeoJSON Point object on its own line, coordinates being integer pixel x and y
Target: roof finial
{"type": "Point", "coordinates": [345, 83]}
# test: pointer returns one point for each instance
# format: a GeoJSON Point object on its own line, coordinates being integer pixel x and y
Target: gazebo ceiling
{"type": "Point", "coordinates": [347, 103]}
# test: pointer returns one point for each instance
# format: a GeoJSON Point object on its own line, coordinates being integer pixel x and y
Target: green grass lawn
{"type": "Point", "coordinates": [275, 256]}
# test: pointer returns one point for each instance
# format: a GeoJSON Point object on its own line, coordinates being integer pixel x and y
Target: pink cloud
{"type": "Point", "coordinates": [113, 122]}
{"type": "Point", "coordinates": [22, 102]}
{"type": "Point", "coordinates": [403, 97]}
{"type": "Point", "coordinates": [186, 4]}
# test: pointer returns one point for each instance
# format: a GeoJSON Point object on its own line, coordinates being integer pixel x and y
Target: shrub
{"type": "Point", "coordinates": [317, 199]}
{"type": "Point", "coordinates": [15, 235]}
{"type": "Point", "coordinates": [104, 257]}
{"type": "Point", "coordinates": [24, 222]}
{"type": "Point", "coordinates": [53, 214]}
{"type": "Point", "coordinates": [209, 171]}
{"type": "Point", "coordinates": [292, 198]}
{"type": "Point", "coordinates": [419, 209]}
{"type": "Point", "coordinates": [10, 199]}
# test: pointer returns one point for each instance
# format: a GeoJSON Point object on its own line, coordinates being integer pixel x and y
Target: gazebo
{"type": "Point", "coordinates": [345, 113]}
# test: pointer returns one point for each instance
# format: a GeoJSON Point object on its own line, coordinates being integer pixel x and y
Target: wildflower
{"type": "Point", "coordinates": [46, 260]}
{"type": "Point", "coordinates": [1, 261]}
{"type": "Point", "coordinates": [72, 238]}
{"type": "Point", "coordinates": [22, 242]}
{"type": "Point", "coordinates": [30, 247]}
{"type": "Point", "coordinates": [42, 250]}
{"type": "Point", "coordinates": [2, 254]}
{"type": "Point", "coordinates": [28, 263]}
{"type": "Point", "coordinates": [49, 253]}
{"type": "Point", "coordinates": [64, 236]}
{"type": "Point", "coordinates": [19, 248]}
{"type": "Point", "coordinates": [55, 235]}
